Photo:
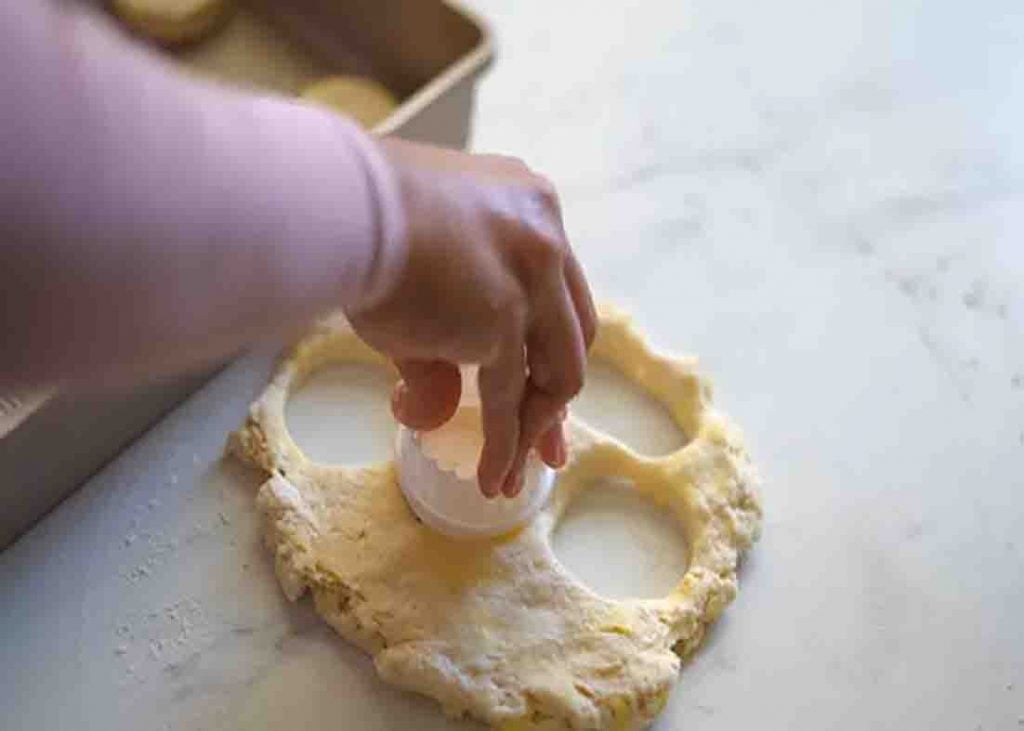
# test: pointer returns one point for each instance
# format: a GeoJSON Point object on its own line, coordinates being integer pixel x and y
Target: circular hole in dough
{"type": "Point", "coordinates": [341, 415]}
{"type": "Point", "coordinates": [622, 409]}
{"type": "Point", "coordinates": [619, 543]}
{"type": "Point", "coordinates": [172, 22]}
{"type": "Point", "coordinates": [363, 99]}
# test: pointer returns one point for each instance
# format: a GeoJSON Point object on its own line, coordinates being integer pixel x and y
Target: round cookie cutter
{"type": "Point", "coordinates": [452, 504]}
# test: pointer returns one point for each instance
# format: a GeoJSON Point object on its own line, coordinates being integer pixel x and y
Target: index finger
{"type": "Point", "coordinates": [501, 393]}
{"type": "Point", "coordinates": [556, 353]}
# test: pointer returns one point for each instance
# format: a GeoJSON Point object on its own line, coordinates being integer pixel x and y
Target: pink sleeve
{"type": "Point", "coordinates": [147, 215]}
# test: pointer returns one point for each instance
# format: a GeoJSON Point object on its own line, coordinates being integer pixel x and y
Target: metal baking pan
{"type": "Point", "coordinates": [427, 52]}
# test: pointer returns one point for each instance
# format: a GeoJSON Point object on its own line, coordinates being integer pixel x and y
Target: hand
{"type": "Point", "coordinates": [490, 278]}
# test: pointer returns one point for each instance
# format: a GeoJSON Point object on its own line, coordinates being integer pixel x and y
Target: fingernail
{"type": "Point", "coordinates": [513, 483]}
{"type": "Point", "coordinates": [561, 453]}
{"type": "Point", "coordinates": [490, 488]}
{"type": "Point", "coordinates": [398, 405]}
{"type": "Point", "coordinates": [508, 485]}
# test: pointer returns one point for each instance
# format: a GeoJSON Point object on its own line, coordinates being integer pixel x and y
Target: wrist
{"type": "Point", "coordinates": [390, 246]}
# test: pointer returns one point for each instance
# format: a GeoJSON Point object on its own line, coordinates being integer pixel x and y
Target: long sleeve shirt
{"type": "Point", "coordinates": [139, 205]}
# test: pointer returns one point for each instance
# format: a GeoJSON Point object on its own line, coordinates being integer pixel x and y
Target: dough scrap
{"type": "Point", "coordinates": [363, 99]}
{"type": "Point", "coordinates": [500, 630]}
{"type": "Point", "coordinates": [172, 22]}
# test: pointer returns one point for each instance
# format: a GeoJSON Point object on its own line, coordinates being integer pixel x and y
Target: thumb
{"type": "Point", "coordinates": [428, 393]}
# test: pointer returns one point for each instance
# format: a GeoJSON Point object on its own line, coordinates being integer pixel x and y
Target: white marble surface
{"type": "Point", "coordinates": [824, 201]}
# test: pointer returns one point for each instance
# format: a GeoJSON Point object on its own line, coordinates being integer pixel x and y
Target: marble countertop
{"type": "Point", "coordinates": [825, 202]}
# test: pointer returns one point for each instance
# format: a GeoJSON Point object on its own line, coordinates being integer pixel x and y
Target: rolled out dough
{"type": "Point", "coordinates": [499, 630]}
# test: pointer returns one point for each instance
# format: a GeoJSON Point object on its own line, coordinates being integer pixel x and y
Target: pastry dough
{"type": "Point", "coordinates": [499, 630]}
{"type": "Point", "coordinates": [172, 22]}
{"type": "Point", "coordinates": [363, 99]}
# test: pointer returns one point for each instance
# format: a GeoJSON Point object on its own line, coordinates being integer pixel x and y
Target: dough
{"type": "Point", "coordinates": [172, 22]}
{"type": "Point", "coordinates": [363, 99]}
{"type": "Point", "coordinates": [499, 630]}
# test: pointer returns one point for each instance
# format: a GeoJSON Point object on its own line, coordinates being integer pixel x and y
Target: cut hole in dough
{"type": "Point", "coordinates": [622, 409]}
{"type": "Point", "coordinates": [619, 543]}
{"type": "Point", "coordinates": [341, 415]}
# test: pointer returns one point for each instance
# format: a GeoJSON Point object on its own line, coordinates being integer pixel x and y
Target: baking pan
{"type": "Point", "coordinates": [428, 53]}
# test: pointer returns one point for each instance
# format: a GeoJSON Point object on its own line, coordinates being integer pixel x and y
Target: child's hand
{"type": "Point", "coordinates": [491, 279]}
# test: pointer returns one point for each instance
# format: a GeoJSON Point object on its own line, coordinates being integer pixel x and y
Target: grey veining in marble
{"type": "Point", "coordinates": [825, 202]}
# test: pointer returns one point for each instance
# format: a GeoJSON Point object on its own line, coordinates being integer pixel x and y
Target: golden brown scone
{"type": "Point", "coordinates": [363, 99]}
{"type": "Point", "coordinates": [172, 22]}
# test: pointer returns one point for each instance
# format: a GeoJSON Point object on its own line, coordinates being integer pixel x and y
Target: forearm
{"type": "Point", "coordinates": [150, 221]}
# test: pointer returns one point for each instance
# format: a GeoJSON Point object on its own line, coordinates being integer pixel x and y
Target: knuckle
{"type": "Point", "coordinates": [510, 311]}
{"type": "Point", "coordinates": [501, 395]}
{"type": "Point", "coordinates": [547, 245]}
{"type": "Point", "coordinates": [500, 404]}
{"type": "Point", "coordinates": [546, 193]}
{"type": "Point", "coordinates": [562, 383]}
{"type": "Point", "coordinates": [571, 382]}
{"type": "Point", "coordinates": [507, 162]}
{"type": "Point", "coordinates": [548, 251]}
{"type": "Point", "coordinates": [506, 317]}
